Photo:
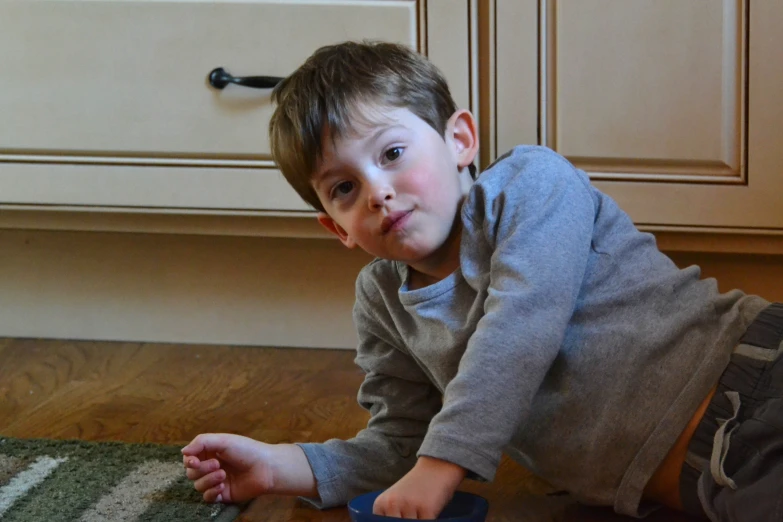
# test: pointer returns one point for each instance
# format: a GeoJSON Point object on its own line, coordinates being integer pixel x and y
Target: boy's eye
{"type": "Point", "coordinates": [393, 153]}
{"type": "Point", "coordinates": [341, 189]}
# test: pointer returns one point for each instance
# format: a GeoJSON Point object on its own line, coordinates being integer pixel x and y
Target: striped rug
{"type": "Point", "coordinates": [65, 481]}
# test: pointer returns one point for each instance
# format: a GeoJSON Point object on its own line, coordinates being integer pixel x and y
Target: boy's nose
{"type": "Point", "coordinates": [380, 193]}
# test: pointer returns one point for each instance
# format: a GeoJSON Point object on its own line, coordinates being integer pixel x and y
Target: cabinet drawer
{"type": "Point", "coordinates": [107, 104]}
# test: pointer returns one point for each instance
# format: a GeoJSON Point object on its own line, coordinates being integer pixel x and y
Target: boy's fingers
{"type": "Point", "coordinates": [210, 480]}
{"type": "Point", "coordinates": [194, 474]}
{"type": "Point", "coordinates": [206, 442]}
{"type": "Point", "coordinates": [195, 470]}
{"type": "Point", "coordinates": [214, 494]}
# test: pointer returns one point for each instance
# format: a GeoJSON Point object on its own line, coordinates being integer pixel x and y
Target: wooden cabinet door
{"type": "Point", "coordinates": [673, 107]}
{"type": "Point", "coordinates": [106, 106]}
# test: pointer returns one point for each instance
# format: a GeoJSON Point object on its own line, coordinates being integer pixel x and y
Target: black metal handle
{"type": "Point", "coordinates": [219, 78]}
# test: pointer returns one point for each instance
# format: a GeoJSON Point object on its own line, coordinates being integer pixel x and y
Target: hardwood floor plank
{"type": "Point", "coordinates": [163, 393]}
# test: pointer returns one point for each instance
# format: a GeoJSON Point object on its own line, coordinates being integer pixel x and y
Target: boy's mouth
{"type": "Point", "coordinates": [392, 219]}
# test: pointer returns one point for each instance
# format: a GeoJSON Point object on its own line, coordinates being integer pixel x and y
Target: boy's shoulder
{"type": "Point", "coordinates": [376, 277]}
{"type": "Point", "coordinates": [527, 164]}
{"type": "Point", "coordinates": [523, 175]}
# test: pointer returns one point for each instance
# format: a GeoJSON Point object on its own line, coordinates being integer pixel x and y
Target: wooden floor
{"type": "Point", "coordinates": [169, 393]}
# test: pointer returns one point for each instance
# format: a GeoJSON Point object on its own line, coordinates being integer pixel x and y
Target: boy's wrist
{"type": "Point", "coordinates": [445, 472]}
{"type": "Point", "coordinates": [292, 474]}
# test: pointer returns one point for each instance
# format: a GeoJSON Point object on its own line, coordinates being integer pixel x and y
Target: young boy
{"type": "Point", "coordinates": [521, 312]}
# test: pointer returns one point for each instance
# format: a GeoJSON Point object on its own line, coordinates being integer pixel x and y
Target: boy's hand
{"type": "Point", "coordinates": [232, 468]}
{"type": "Point", "coordinates": [423, 492]}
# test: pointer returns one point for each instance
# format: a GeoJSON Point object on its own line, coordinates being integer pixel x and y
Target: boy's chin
{"type": "Point", "coordinates": [410, 254]}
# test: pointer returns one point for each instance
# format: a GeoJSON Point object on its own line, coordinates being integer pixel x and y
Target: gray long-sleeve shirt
{"type": "Point", "coordinates": [565, 339]}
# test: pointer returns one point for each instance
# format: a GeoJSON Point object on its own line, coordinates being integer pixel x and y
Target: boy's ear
{"type": "Point", "coordinates": [331, 225]}
{"type": "Point", "coordinates": [464, 134]}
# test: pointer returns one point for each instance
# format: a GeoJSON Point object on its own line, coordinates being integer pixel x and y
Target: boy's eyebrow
{"type": "Point", "coordinates": [319, 177]}
{"type": "Point", "coordinates": [382, 129]}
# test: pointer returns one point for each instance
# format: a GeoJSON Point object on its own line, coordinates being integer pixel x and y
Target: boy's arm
{"type": "Point", "coordinates": [539, 231]}
{"type": "Point", "coordinates": [401, 400]}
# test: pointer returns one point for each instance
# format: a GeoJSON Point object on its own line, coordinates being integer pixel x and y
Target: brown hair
{"type": "Point", "coordinates": [330, 89]}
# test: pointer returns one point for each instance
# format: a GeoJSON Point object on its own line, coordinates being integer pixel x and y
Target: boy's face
{"type": "Point", "coordinates": [395, 188]}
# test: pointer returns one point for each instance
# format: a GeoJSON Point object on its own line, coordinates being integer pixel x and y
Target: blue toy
{"type": "Point", "coordinates": [464, 507]}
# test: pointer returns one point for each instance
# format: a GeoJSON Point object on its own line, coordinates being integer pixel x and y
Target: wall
{"type": "Point", "coordinates": [219, 289]}
{"type": "Point", "coordinates": [754, 274]}
{"type": "Point", "coordinates": [177, 288]}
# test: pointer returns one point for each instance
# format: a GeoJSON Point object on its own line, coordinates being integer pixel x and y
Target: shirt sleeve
{"type": "Point", "coordinates": [538, 228]}
{"type": "Point", "coordinates": [401, 400]}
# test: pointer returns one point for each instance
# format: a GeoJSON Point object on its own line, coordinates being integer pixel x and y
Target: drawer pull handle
{"type": "Point", "coordinates": [219, 78]}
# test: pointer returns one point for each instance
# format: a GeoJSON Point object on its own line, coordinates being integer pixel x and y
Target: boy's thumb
{"type": "Point", "coordinates": [206, 442]}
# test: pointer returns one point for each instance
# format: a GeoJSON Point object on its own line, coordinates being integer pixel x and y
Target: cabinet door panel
{"type": "Point", "coordinates": [648, 87]}
{"type": "Point", "coordinates": [668, 105]}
